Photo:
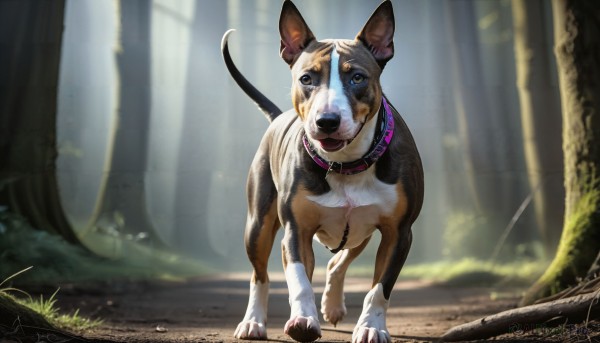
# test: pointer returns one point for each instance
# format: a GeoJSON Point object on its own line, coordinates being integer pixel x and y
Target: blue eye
{"type": "Point", "coordinates": [357, 78]}
{"type": "Point", "coordinates": [306, 80]}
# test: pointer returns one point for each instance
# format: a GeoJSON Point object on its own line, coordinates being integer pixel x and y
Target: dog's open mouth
{"type": "Point", "coordinates": [331, 145]}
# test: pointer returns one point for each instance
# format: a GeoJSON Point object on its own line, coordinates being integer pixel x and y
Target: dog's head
{"type": "Point", "coordinates": [335, 87]}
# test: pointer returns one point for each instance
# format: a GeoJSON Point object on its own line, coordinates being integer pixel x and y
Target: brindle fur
{"type": "Point", "coordinates": [283, 176]}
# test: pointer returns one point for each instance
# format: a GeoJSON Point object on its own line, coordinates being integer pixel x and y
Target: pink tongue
{"type": "Point", "coordinates": [330, 144]}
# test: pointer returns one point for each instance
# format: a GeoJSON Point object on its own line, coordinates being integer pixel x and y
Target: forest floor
{"type": "Point", "coordinates": [208, 310]}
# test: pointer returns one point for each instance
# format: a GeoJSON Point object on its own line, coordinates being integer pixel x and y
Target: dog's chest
{"type": "Point", "coordinates": [354, 201]}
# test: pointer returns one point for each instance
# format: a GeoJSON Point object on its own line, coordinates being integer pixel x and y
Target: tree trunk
{"type": "Point", "coordinates": [540, 119]}
{"type": "Point", "coordinates": [577, 38]}
{"type": "Point", "coordinates": [491, 197]}
{"type": "Point", "coordinates": [123, 198]}
{"type": "Point", "coordinates": [474, 124]}
{"type": "Point", "coordinates": [31, 37]}
{"type": "Point", "coordinates": [192, 203]}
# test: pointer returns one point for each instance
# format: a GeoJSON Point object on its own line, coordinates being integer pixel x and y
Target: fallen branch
{"type": "Point", "coordinates": [572, 309]}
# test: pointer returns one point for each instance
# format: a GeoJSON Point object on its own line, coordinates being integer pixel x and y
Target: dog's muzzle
{"type": "Point", "coordinates": [328, 123]}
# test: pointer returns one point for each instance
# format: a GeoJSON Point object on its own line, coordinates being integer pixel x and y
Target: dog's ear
{"type": "Point", "coordinates": [378, 33]}
{"type": "Point", "coordinates": [295, 34]}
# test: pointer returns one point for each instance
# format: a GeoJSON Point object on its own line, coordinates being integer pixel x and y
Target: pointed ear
{"type": "Point", "coordinates": [295, 34]}
{"type": "Point", "coordinates": [378, 33]}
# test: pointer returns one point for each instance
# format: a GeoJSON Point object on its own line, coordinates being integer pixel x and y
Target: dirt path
{"type": "Point", "coordinates": [208, 309]}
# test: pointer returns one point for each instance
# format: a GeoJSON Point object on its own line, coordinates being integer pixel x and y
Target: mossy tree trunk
{"type": "Point", "coordinates": [540, 118]}
{"type": "Point", "coordinates": [31, 38]}
{"type": "Point", "coordinates": [577, 40]}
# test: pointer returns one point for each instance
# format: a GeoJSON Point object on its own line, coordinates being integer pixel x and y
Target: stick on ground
{"type": "Point", "coordinates": [574, 309]}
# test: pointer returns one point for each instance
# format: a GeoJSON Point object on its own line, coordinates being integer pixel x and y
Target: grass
{"type": "Point", "coordinates": [468, 272]}
{"type": "Point", "coordinates": [56, 260]}
{"type": "Point", "coordinates": [47, 308]}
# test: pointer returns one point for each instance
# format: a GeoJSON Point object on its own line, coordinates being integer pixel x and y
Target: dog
{"type": "Point", "coordinates": [339, 165]}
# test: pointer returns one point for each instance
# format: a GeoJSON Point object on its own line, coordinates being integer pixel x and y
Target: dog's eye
{"type": "Point", "coordinates": [306, 80]}
{"type": "Point", "coordinates": [357, 78]}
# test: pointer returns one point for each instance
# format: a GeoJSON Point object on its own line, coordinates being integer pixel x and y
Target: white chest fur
{"type": "Point", "coordinates": [352, 191]}
{"type": "Point", "coordinates": [357, 201]}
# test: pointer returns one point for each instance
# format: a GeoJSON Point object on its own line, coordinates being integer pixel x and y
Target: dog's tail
{"type": "Point", "coordinates": [267, 106]}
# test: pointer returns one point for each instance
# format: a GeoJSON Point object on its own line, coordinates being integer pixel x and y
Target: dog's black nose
{"type": "Point", "coordinates": [328, 122]}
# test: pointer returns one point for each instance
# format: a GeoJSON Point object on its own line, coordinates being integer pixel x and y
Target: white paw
{"type": "Point", "coordinates": [303, 325]}
{"type": "Point", "coordinates": [303, 329]}
{"type": "Point", "coordinates": [249, 329]}
{"type": "Point", "coordinates": [363, 334]}
{"type": "Point", "coordinates": [333, 311]}
{"type": "Point", "coordinates": [371, 327]}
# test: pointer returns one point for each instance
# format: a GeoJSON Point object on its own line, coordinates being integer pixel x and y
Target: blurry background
{"type": "Point", "coordinates": [155, 139]}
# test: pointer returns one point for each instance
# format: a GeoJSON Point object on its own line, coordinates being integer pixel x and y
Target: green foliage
{"type": "Point", "coordinates": [48, 309]}
{"type": "Point", "coordinates": [467, 235]}
{"type": "Point", "coordinates": [56, 260]}
{"type": "Point", "coordinates": [44, 307]}
{"type": "Point", "coordinates": [473, 272]}
{"type": "Point", "coordinates": [13, 316]}
{"type": "Point", "coordinates": [466, 272]}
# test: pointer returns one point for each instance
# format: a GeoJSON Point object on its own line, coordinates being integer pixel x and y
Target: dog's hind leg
{"type": "Point", "coordinates": [332, 302]}
{"type": "Point", "coordinates": [261, 226]}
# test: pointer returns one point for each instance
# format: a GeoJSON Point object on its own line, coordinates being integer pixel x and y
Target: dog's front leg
{"type": "Point", "coordinates": [298, 262]}
{"type": "Point", "coordinates": [391, 255]}
{"type": "Point", "coordinates": [262, 224]}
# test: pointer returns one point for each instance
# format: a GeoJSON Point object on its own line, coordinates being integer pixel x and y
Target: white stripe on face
{"type": "Point", "coordinates": [336, 99]}
{"type": "Point", "coordinates": [332, 99]}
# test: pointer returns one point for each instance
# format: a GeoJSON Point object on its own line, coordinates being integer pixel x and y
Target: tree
{"type": "Point", "coordinates": [577, 49]}
{"type": "Point", "coordinates": [192, 204]}
{"type": "Point", "coordinates": [540, 118]}
{"type": "Point", "coordinates": [474, 122]}
{"type": "Point", "coordinates": [123, 193]}
{"type": "Point", "coordinates": [488, 197]}
{"type": "Point", "coordinates": [31, 39]}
